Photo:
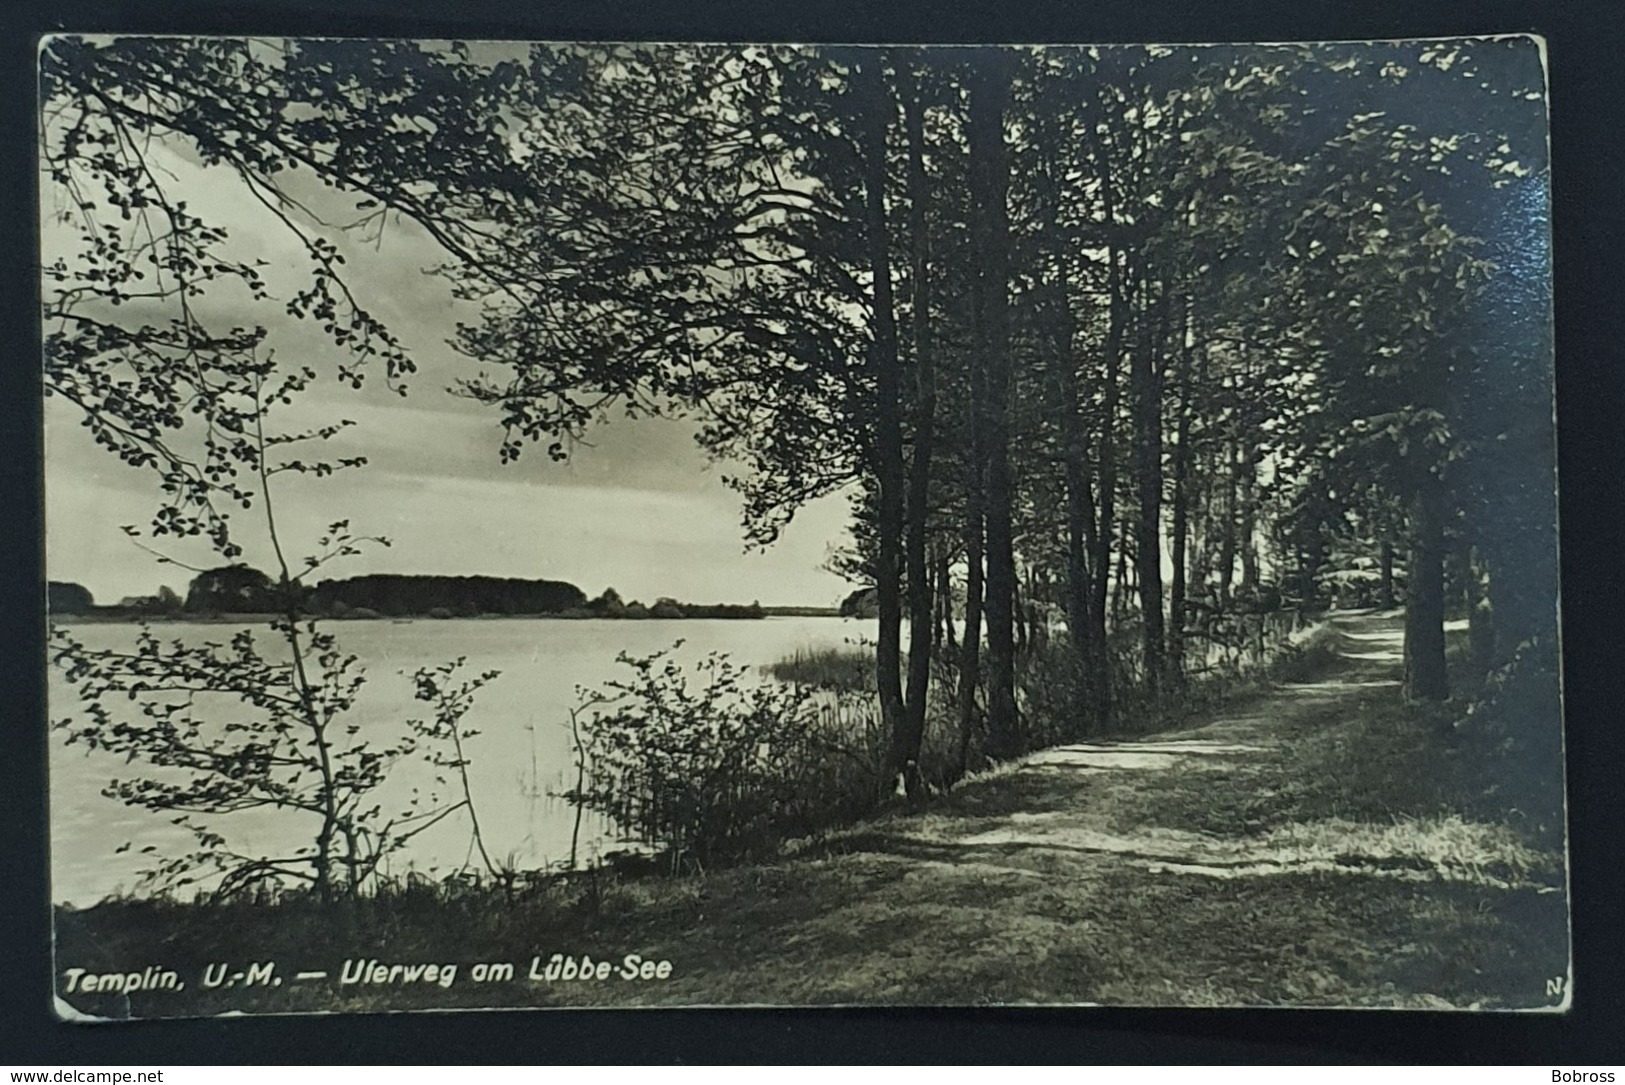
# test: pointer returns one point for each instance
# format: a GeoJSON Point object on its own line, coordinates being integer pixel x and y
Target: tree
{"type": "Point", "coordinates": [231, 589]}
{"type": "Point", "coordinates": [990, 179]}
{"type": "Point", "coordinates": [66, 598]}
{"type": "Point", "coordinates": [921, 596]}
{"type": "Point", "coordinates": [1165, 267]}
{"type": "Point", "coordinates": [609, 603]}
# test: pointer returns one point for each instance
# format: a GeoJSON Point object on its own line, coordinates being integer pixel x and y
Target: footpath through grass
{"type": "Point", "coordinates": [1313, 845]}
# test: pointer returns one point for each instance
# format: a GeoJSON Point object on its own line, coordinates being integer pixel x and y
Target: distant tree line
{"type": "Point", "coordinates": [242, 589]}
{"type": "Point", "coordinates": [610, 605]}
{"type": "Point", "coordinates": [396, 595]}
{"type": "Point", "coordinates": [66, 597]}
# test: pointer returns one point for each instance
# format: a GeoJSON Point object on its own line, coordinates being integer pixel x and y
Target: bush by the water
{"type": "Point", "coordinates": [711, 766]}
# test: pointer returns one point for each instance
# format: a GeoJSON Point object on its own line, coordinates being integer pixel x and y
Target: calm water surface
{"type": "Point", "coordinates": [521, 758]}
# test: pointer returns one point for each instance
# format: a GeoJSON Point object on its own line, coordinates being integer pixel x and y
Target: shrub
{"type": "Point", "coordinates": [709, 767]}
{"type": "Point", "coordinates": [1230, 655]}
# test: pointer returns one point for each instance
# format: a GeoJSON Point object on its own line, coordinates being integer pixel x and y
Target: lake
{"type": "Point", "coordinates": [521, 758]}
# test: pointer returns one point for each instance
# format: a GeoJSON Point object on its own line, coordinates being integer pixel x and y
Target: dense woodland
{"type": "Point", "coordinates": [1120, 353]}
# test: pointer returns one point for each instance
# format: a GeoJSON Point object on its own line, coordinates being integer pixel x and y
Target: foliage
{"type": "Point", "coordinates": [143, 309]}
{"type": "Point", "coordinates": [233, 589]}
{"type": "Point", "coordinates": [708, 766]}
{"type": "Point", "coordinates": [66, 598]}
{"type": "Point", "coordinates": [396, 594]}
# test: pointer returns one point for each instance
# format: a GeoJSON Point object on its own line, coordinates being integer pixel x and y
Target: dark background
{"type": "Point", "coordinates": [1585, 51]}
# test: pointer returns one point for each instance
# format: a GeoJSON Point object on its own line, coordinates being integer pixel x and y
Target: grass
{"type": "Point", "coordinates": [461, 922]}
{"type": "Point", "coordinates": [1317, 843]}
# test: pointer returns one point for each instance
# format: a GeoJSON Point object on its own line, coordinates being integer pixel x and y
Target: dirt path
{"type": "Point", "coordinates": [1265, 856]}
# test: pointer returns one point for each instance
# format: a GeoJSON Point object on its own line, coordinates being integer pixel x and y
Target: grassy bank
{"type": "Point", "coordinates": [849, 668]}
{"type": "Point", "coordinates": [1312, 843]}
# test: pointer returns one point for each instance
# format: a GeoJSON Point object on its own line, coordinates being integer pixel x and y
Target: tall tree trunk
{"type": "Point", "coordinates": [1123, 583]}
{"type": "Point", "coordinates": [1086, 627]}
{"type": "Point", "coordinates": [1201, 483]}
{"type": "Point", "coordinates": [990, 180]}
{"type": "Point", "coordinates": [970, 647]}
{"type": "Point", "coordinates": [885, 366]}
{"type": "Point", "coordinates": [1082, 628]}
{"type": "Point", "coordinates": [934, 588]}
{"type": "Point", "coordinates": [1249, 527]}
{"type": "Point", "coordinates": [975, 535]}
{"type": "Point", "coordinates": [1019, 615]}
{"type": "Point", "coordinates": [1228, 526]}
{"type": "Point", "coordinates": [1181, 517]}
{"type": "Point", "coordinates": [1038, 592]}
{"type": "Point", "coordinates": [1148, 468]}
{"type": "Point", "coordinates": [906, 753]}
{"type": "Point", "coordinates": [1385, 589]}
{"type": "Point", "coordinates": [945, 595]}
{"type": "Point", "coordinates": [1106, 461]}
{"type": "Point", "coordinates": [1425, 676]}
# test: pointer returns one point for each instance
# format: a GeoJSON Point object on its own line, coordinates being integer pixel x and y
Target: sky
{"type": "Point", "coordinates": [638, 507]}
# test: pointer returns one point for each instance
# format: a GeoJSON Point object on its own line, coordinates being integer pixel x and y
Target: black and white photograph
{"type": "Point", "coordinates": [611, 525]}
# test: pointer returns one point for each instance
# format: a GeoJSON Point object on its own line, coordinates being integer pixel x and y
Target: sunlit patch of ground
{"type": "Point", "coordinates": [1447, 849]}
{"type": "Point", "coordinates": [1392, 643]}
{"type": "Point", "coordinates": [1394, 636]}
{"type": "Point", "coordinates": [1128, 755]}
{"type": "Point", "coordinates": [1337, 688]}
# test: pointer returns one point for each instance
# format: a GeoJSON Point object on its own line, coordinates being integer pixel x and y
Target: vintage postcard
{"type": "Point", "coordinates": [619, 525]}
